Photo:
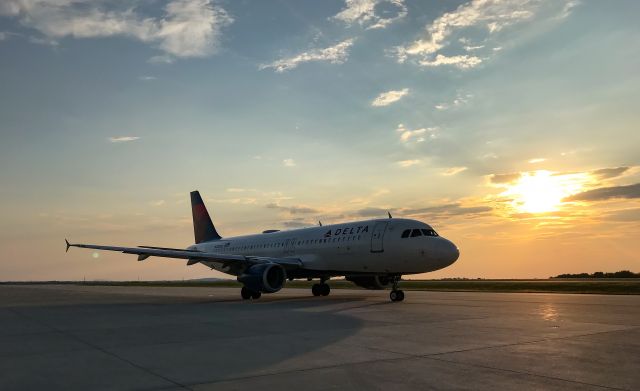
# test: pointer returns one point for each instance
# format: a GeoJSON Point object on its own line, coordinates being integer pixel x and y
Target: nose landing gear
{"type": "Point", "coordinates": [396, 294]}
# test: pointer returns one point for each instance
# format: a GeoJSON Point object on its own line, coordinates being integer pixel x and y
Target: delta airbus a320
{"type": "Point", "coordinates": [373, 254]}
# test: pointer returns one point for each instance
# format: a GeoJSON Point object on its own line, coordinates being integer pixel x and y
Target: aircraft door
{"type": "Point", "coordinates": [289, 247]}
{"type": "Point", "coordinates": [377, 235]}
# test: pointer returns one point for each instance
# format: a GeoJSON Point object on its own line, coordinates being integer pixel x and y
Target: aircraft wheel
{"type": "Point", "coordinates": [325, 289]}
{"type": "Point", "coordinates": [316, 290]}
{"type": "Point", "coordinates": [256, 295]}
{"type": "Point", "coordinates": [246, 293]}
{"type": "Point", "coordinates": [396, 295]}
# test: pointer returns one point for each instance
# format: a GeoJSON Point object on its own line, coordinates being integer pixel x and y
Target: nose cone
{"type": "Point", "coordinates": [449, 252]}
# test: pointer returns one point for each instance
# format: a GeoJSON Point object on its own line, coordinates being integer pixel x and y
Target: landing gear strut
{"type": "Point", "coordinates": [247, 294]}
{"type": "Point", "coordinates": [396, 294]}
{"type": "Point", "coordinates": [321, 289]}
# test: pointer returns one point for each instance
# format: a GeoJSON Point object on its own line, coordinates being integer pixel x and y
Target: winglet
{"type": "Point", "coordinates": [320, 223]}
{"type": "Point", "coordinates": [389, 213]}
{"type": "Point", "coordinates": [68, 245]}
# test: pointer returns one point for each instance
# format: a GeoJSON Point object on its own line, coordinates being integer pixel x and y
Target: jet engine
{"type": "Point", "coordinates": [267, 278]}
{"type": "Point", "coordinates": [370, 282]}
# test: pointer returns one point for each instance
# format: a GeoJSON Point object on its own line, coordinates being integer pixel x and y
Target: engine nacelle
{"type": "Point", "coordinates": [370, 282]}
{"type": "Point", "coordinates": [267, 278]}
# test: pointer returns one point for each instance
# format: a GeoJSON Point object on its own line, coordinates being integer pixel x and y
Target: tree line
{"type": "Point", "coordinates": [620, 274]}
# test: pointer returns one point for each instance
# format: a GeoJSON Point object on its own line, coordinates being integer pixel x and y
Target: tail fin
{"type": "Point", "coordinates": [203, 228]}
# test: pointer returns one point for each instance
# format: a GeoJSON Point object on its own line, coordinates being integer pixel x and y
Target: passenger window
{"type": "Point", "coordinates": [416, 232]}
{"type": "Point", "coordinates": [405, 233]}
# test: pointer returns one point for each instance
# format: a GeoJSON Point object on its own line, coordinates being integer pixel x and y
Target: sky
{"type": "Point", "coordinates": [511, 126]}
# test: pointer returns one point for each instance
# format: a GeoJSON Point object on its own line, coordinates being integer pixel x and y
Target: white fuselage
{"type": "Point", "coordinates": [370, 246]}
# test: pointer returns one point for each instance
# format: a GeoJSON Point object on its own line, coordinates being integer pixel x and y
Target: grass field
{"type": "Point", "coordinates": [598, 286]}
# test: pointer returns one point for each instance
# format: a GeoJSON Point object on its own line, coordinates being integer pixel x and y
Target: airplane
{"type": "Point", "coordinates": [373, 254]}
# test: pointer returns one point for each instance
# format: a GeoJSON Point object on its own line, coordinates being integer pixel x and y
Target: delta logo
{"type": "Point", "coordinates": [347, 231]}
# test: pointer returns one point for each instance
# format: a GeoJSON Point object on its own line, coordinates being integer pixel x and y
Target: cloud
{"type": "Point", "coordinates": [336, 54]}
{"type": "Point", "coordinates": [537, 160]}
{"type": "Point", "coordinates": [389, 97]}
{"type": "Point", "coordinates": [607, 173]}
{"type": "Point", "coordinates": [296, 223]}
{"type": "Point", "coordinates": [239, 200]}
{"type": "Point", "coordinates": [123, 139]}
{"type": "Point", "coordinates": [188, 28]}
{"type": "Point", "coordinates": [462, 62]}
{"type": "Point", "coordinates": [157, 203]}
{"type": "Point", "coordinates": [431, 212]}
{"type": "Point", "coordinates": [605, 193]}
{"type": "Point", "coordinates": [459, 100]}
{"type": "Point", "coordinates": [370, 196]}
{"type": "Point", "coordinates": [147, 78]}
{"type": "Point", "coordinates": [448, 210]}
{"type": "Point", "coordinates": [453, 171]}
{"type": "Point", "coordinates": [472, 48]}
{"type": "Point", "coordinates": [568, 7]}
{"type": "Point", "coordinates": [628, 215]}
{"type": "Point", "coordinates": [289, 162]}
{"type": "Point", "coordinates": [599, 174]}
{"type": "Point", "coordinates": [292, 209]}
{"type": "Point", "coordinates": [484, 17]}
{"type": "Point", "coordinates": [408, 163]}
{"type": "Point", "coordinates": [371, 212]}
{"type": "Point", "coordinates": [367, 13]}
{"type": "Point", "coordinates": [504, 178]}
{"type": "Point", "coordinates": [407, 135]}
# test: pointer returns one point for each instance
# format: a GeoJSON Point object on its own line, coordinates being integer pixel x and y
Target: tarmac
{"type": "Point", "coordinates": [153, 338]}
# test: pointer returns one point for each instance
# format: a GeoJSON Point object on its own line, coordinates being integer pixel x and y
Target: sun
{"type": "Point", "coordinates": [543, 191]}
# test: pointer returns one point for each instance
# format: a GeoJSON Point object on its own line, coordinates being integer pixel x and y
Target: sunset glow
{"type": "Point", "coordinates": [543, 191]}
{"type": "Point", "coordinates": [510, 126]}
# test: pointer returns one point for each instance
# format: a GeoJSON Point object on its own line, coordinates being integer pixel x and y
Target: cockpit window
{"type": "Point", "coordinates": [429, 232]}
{"type": "Point", "coordinates": [418, 232]}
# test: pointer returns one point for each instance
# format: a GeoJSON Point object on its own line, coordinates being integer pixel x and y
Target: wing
{"type": "Point", "coordinates": [194, 256]}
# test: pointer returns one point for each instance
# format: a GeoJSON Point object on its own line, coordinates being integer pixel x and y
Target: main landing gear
{"type": "Point", "coordinates": [321, 289]}
{"type": "Point", "coordinates": [247, 294]}
{"type": "Point", "coordinates": [396, 294]}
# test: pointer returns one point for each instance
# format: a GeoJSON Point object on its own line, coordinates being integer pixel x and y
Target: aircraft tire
{"type": "Point", "coordinates": [396, 295]}
{"type": "Point", "coordinates": [325, 289]}
{"type": "Point", "coordinates": [316, 290]}
{"type": "Point", "coordinates": [246, 293]}
{"type": "Point", "coordinates": [256, 295]}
